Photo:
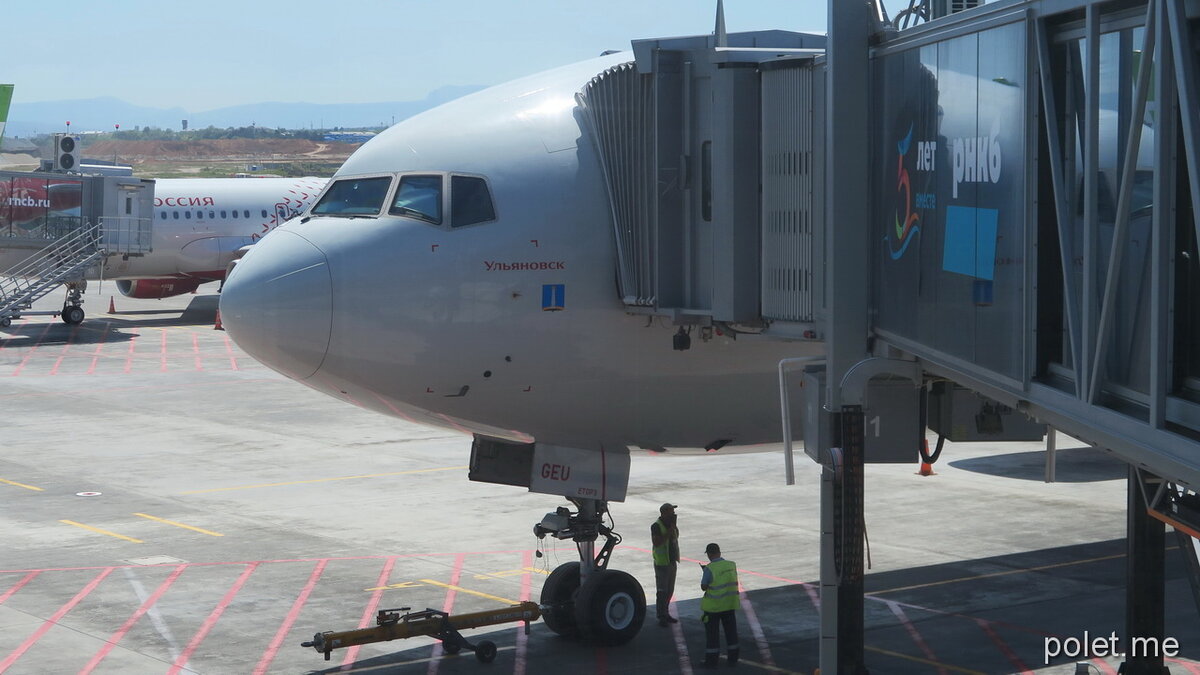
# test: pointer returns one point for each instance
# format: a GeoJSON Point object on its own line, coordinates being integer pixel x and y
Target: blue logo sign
{"type": "Point", "coordinates": [554, 297]}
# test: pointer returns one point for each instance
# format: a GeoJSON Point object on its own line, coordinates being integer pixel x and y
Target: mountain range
{"type": "Point", "coordinates": [101, 114]}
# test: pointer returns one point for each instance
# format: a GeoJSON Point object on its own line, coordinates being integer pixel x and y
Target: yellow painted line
{"type": "Point", "coordinates": [497, 598]}
{"type": "Point", "coordinates": [512, 573]}
{"type": "Point", "coordinates": [917, 659]}
{"type": "Point", "coordinates": [27, 487]}
{"type": "Point", "coordinates": [1000, 574]}
{"type": "Point", "coordinates": [96, 529]}
{"type": "Point", "coordinates": [323, 480]}
{"type": "Point", "coordinates": [402, 584]}
{"type": "Point", "coordinates": [186, 527]}
{"type": "Point", "coordinates": [768, 667]}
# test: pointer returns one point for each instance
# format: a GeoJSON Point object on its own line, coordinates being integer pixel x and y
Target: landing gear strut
{"type": "Point", "coordinates": [72, 312]}
{"type": "Point", "coordinates": [585, 598]}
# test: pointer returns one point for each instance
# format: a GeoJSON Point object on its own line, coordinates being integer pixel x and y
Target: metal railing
{"type": "Point", "coordinates": [35, 277]}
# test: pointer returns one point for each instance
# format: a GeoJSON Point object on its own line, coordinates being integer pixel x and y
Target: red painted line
{"type": "Point", "coordinates": [53, 620]}
{"type": "Point", "coordinates": [162, 354]}
{"type": "Point", "coordinates": [133, 618]}
{"type": "Point", "coordinates": [454, 424]}
{"type": "Point", "coordinates": [1004, 648]}
{"type": "Point", "coordinates": [66, 348]}
{"type": "Point", "coordinates": [229, 350]}
{"type": "Point", "coordinates": [1191, 667]}
{"type": "Point", "coordinates": [522, 638]}
{"type": "Point", "coordinates": [17, 586]}
{"type": "Point", "coordinates": [601, 661]}
{"type": "Point", "coordinates": [395, 411]}
{"type": "Point", "coordinates": [369, 612]}
{"type": "Point", "coordinates": [265, 562]}
{"type": "Point", "coordinates": [129, 356]}
{"type": "Point", "coordinates": [764, 650]}
{"type": "Point", "coordinates": [211, 620]}
{"type": "Point", "coordinates": [99, 347]}
{"type": "Point", "coordinates": [31, 351]}
{"type": "Point", "coordinates": [1103, 667]}
{"type": "Point", "coordinates": [447, 607]}
{"type": "Point", "coordinates": [685, 659]}
{"type": "Point", "coordinates": [913, 632]}
{"type": "Point", "coordinates": [196, 351]}
{"type": "Point", "coordinates": [269, 655]}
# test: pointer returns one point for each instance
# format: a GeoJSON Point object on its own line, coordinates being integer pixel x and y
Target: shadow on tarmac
{"type": "Point", "coordinates": [115, 327]}
{"type": "Point", "coordinates": [1074, 465]}
{"type": "Point", "coordinates": [990, 616]}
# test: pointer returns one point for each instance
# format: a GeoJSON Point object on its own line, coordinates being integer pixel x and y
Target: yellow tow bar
{"type": "Point", "coordinates": [390, 624]}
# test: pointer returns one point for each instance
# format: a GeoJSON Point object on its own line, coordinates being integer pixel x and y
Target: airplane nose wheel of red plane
{"type": "Point", "coordinates": [72, 314]}
{"type": "Point", "coordinates": [585, 599]}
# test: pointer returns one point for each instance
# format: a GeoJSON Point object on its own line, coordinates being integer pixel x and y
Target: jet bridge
{"type": "Point", "coordinates": [58, 227]}
{"type": "Point", "coordinates": [1003, 198]}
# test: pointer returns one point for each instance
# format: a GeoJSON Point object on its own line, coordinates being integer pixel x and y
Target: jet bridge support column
{"type": "Point", "coordinates": [842, 502]}
{"type": "Point", "coordinates": [1145, 580]}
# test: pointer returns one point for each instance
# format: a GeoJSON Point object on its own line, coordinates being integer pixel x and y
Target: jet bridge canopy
{"type": "Point", "coordinates": [1031, 232]}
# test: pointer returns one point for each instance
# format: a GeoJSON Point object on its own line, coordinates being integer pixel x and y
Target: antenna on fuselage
{"type": "Point", "coordinates": [719, 30]}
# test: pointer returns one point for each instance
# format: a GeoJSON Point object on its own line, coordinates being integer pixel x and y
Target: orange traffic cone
{"type": "Point", "coordinates": [112, 307]}
{"type": "Point", "coordinates": [217, 325]}
{"type": "Point", "coordinates": [926, 467]}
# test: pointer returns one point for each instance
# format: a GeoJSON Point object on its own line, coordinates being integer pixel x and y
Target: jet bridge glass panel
{"type": "Point", "coordinates": [40, 208]}
{"type": "Point", "coordinates": [951, 197]}
{"type": "Point", "coordinates": [353, 197]}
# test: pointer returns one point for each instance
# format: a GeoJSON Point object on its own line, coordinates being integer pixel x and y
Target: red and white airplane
{"type": "Point", "coordinates": [200, 226]}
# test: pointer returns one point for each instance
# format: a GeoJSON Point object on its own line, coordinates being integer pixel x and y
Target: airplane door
{"type": "Point", "coordinates": [282, 213]}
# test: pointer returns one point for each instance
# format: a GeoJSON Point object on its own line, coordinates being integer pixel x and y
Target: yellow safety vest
{"type": "Point", "coordinates": [722, 592]}
{"type": "Point", "coordinates": [662, 552]}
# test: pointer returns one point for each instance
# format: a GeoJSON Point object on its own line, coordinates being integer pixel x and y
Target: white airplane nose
{"type": "Point", "coordinates": [277, 304]}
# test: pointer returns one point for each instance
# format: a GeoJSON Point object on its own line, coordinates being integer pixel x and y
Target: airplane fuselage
{"type": "Point", "coordinates": [511, 327]}
{"type": "Point", "coordinates": [198, 223]}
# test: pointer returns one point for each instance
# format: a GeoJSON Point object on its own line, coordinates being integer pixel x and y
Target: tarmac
{"type": "Point", "coordinates": [169, 505]}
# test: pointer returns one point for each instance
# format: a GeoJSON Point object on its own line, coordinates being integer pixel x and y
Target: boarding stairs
{"type": "Point", "coordinates": [62, 262]}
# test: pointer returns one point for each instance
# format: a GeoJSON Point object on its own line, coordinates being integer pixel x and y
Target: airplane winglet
{"type": "Point", "coordinates": [719, 31]}
{"type": "Point", "coordinates": [6, 91]}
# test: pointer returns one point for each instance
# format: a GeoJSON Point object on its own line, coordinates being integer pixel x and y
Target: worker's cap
{"type": "Point", "coordinates": [712, 549]}
{"type": "Point", "coordinates": [666, 507]}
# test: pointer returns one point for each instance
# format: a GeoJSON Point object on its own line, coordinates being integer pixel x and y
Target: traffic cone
{"type": "Point", "coordinates": [926, 467]}
{"type": "Point", "coordinates": [112, 307]}
{"type": "Point", "coordinates": [217, 325]}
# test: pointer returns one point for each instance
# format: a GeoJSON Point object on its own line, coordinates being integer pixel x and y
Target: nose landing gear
{"type": "Point", "coordinates": [586, 599]}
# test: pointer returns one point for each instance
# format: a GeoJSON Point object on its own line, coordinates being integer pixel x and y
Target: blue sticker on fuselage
{"type": "Point", "coordinates": [554, 297]}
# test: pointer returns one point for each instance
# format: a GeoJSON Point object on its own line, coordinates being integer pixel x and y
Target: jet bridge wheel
{"type": "Point", "coordinates": [558, 597]}
{"type": "Point", "coordinates": [72, 315]}
{"type": "Point", "coordinates": [6, 322]}
{"type": "Point", "coordinates": [610, 607]}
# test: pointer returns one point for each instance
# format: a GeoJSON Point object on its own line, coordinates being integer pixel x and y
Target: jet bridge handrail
{"type": "Point", "coordinates": [24, 275]}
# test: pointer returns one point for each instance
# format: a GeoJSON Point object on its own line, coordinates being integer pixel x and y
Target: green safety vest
{"type": "Point", "coordinates": [722, 593]}
{"type": "Point", "coordinates": [662, 552]}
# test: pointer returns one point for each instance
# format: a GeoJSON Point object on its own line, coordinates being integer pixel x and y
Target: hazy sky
{"type": "Point", "coordinates": [207, 54]}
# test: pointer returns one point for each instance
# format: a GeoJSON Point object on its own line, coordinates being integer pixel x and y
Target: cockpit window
{"type": "Point", "coordinates": [353, 197]}
{"type": "Point", "coordinates": [419, 197]}
{"type": "Point", "coordinates": [470, 201]}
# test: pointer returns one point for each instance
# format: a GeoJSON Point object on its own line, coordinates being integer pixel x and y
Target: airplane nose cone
{"type": "Point", "coordinates": [277, 304]}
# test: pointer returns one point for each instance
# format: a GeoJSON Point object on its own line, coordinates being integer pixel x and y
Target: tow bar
{"type": "Point", "coordinates": [390, 624]}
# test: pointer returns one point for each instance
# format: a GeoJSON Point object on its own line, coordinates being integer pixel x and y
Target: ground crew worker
{"type": "Point", "coordinates": [720, 586]}
{"type": "Point", "coordinates": [664, 533]}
